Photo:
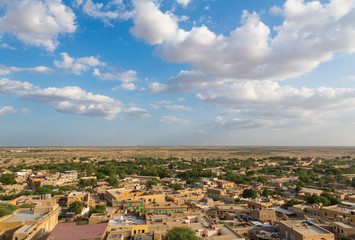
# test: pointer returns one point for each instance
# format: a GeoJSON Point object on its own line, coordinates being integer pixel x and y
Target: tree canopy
{"type": "Point", "coordinates": [181, 233]}
{"type": "Point", "coordinates": [250, 193]}
{"type": "Point", "coordinates": [7, 178]}
{"type": "Point", "coordinates": [76, 207]}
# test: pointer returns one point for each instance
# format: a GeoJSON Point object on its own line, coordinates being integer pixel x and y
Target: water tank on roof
{"type": "Point", "coordinates": [309, 223]}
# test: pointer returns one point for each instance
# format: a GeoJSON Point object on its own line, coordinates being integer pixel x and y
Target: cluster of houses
{"type": "Point", "coordinates": [214, 209]}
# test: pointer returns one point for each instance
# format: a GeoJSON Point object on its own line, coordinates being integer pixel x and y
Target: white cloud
{"type": "Point", "coordinates": [176, 107]}
{"type": "Point", "coordinates": [37, 22]}
{"type": "Point", "coordinates": [137, 112]}
{"type": "Point", "coordinates": [237, 123]}
{"type": "Point", "coordinates": [267, 100]}
{"type": "Point", "coordinates": [10, 110]}
{"type": "Point", "coordinates": [76, 66]}
{"type": "Point", "coordinates": [184, 2]}
{"type": "Point", "coordinates": [157, 104]}
{"type": "Point", "coordinates": [151, 24]}
{"type": "Point", "coordinates": [156, 87]}
{"type": "Point", "coordinates": [6, 46]}
{"type": "Point", "coordinates": [125, 86]}
{"type": "Point", "coordinates": [127, 76]}
{"type": "Point", "coordinates": [41, 70]}
{"type": "Point", "coordinates": [71, 100]}
{"type": "Point", "coordinates": [310, 34]}
{"type": "Point", "coordinates": [4, 70]}
{"type": "Point", "coordinates": [9, 87]}
{"type": "Point", "coordinates": [111, 10]}
{"type": "Point", "coordinates": [173, 120]}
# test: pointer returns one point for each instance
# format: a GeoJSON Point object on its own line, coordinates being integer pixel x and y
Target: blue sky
{"type": "Point", "coordinates": [177, 72]}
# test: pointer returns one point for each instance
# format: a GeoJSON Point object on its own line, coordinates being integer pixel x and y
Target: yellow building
{"type": "Point", "coordinates": [133, 224]}
{"type": "Point", "coordinates": [344, 229]}
{"type": "Point", "coordinates": [333, 211]}
{"type": "Point", "coordinates": [30, 223]}
{"type": "Point", "coordinates": [264, 214]}
{"type": "Point", "coordinates": [224, 184]}
{"type": "Point", "coordinates": [300, 230]}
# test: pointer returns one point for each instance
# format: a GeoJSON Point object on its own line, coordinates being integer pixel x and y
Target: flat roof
{"type": "Point", "coordinates": [24, 216]}
{"type": "Point", "coordinates": [64, 231]}
{"type": "Point", "coordinates": [311, 190]}
{"type": "Point", "coordinates": [125, 221]}
{"type": "Point", "coordinates": [343, 225]}
{"type": "Point", "coordinates": [303, 228]}
{"type": "Point", "coordinates": [277, 209]}
{"type": "Point", "coordinates": [233, 207]}
{"type": "Point", "coordinates": [339, 209]}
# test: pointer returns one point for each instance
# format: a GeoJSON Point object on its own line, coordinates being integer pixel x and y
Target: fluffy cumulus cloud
{"type": "Point", "coordinates": [76, 66]}
{"type": "Point", "coordinates": [265, 101]}
{"type": "Point", "coordinates": [115, 9]}
{"type": "Point", "coordinates": [184, 2]}
{"type": "Point", "coordinates": [173, 120]}
{"type": "Point", "coordinates": [73, 100]}
{"type": "Point", "coordinates": [151, 24]}
{"type": "Point", "coordinates": [240, 70]}
{"type": "Point", "coordinates": [37, 22]}
{"type": "Point", "coordinates": [9, 87]}
{"type": "Point", "coordinates": [11, 110]}
{"type": "Point", "coordinates": [137, 112]}
{"type": "Point", "coordinates": [311, 33]}
{"type": "Point", "coordinates": [125, 86]}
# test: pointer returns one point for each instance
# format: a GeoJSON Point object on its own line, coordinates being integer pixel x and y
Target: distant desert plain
{"type": "Point", "coordinates": [36, 155]}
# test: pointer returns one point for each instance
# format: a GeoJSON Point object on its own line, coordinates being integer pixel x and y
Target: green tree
{"type": "Point", "coordinates": [76, 207]}
{"type": "Point", "coordinates": [181, 233]}
{"type": "Point", "coordinates": [313, 199]}
{"type": "Point", "coordinates": [7, 209]}
{"type": "Point", "coordinates": [263, 179]}
{"type": "Point", "coordinates": [87, 182]}
{"type": "Point", "coordinates": [99, 208]}
{"type": "Point", "coordinates": [291, 203]}
{"type": "Point", "coordinates": [100, 175]}
{"type": "Point", "coordinates": [266, 192]}
{"type": "Point", "coordinates": [175, 186]}
{"type": "Point", "coordinates": [46, 189]}
{"type": "Point", "coordinates": [250, 193]}
{"type": "Point", "coordinates": [112, 180]}
{"type": "Point", "coordinates": [7, 178]}
{"type": "Point", "coordinates": [153, 181]}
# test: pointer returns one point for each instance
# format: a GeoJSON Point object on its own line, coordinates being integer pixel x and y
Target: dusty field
{"type": "Point", "coordinates": [10, 156]}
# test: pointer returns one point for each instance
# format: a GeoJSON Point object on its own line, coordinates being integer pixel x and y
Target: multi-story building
{"type": "Point", "coordinates": [264, 214]}
{"type": "Point", "coordinates": [30, 223]}
{"type": "Point", "coordinates": [302, 230]}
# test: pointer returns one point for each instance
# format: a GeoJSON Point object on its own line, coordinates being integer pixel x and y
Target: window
{"type": "Point", "coordinates": [134, 232]}
{"type": "Point", "coordinates": [143, 231]}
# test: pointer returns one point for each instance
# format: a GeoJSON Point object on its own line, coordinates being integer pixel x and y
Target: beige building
{"type": "Point", "coordinates": [344, 229]}
{"type": "Point", "coordinates": [264, 215]}
{"type": "Point", "coordinates": [333, 211]}
{"type": "Point", "coordinates": [29, 223]}
{"type": "Point", "coordinates": [224, 184]}
{"type": "Point", "coordinates": [300, 230]}
{"type": "Point", "coordinates": [78, 196]}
